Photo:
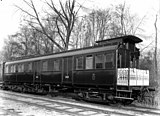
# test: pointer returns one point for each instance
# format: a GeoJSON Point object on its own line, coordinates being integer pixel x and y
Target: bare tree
{"type": "Point", "coordinates": [23, 37]}
{"type": "Point", "coordinates": [99, 20]}
{"type": "Point", "coordinates": [12, 49]}
{"type": "Point", "coordinates": [123, 22]}
{"type": "Point", "coordinates": [95, 26]}
{"type": "Point", "coordinates": [155, 54]}
{"type": "Point", "coordinates": [119, 17]}
{"type": "Point", "coordinates": [65, 17]}
{"type": "Point", "coordinates": [76, 38]}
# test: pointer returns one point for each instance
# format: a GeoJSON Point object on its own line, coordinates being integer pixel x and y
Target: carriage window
{"type": "Point", "coordinates": [56, 65]}
{"type": "Point", "coordinates": [26, 67]}
{"type": "Point", "coordinates": [109, 58]}
{"type": "Point", "coordinates": [6, 69]}
{"type": "Point", "coordinates": [50, 64]}
{"type": "Point", "coordinates": [21, 68]}
{"type": "Point", "coordinates": [29, 67]}
{"type": "Point", "coordinates": [79, 63]}
{"type": "Point", "coordinates": [9, 68]}
{"type": "Point", "coordinates": [89, 62]}
{"type": "Point", "coordinates": [12, 68]}
{"type": "Point", "coordinates": [99, 61]}
{"type": "Point", "coordinates": [44, 65]}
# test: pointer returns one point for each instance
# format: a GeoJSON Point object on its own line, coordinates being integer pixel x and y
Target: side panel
{"type": "Point", "coordinates": [25, 77]}
{"type": "Point", "coordinates": [97, 69]}
{"type": "Point", "coordinates": [51, 77]}
{"type": "Point", "coordinates": [10, 77]}
{"type": "Point", "coordinates": [95, 77]}
{"type": "Point", "coordinates": [51, 71]}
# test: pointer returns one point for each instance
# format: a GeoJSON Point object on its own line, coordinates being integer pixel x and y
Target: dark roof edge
{"type": "Point", "coordinates": [130, 38]}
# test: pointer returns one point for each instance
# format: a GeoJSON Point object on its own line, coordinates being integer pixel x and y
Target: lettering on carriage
{"type": "Point", "coordinates": [67, 77]}
{"type": "Point", "coordinates": [122, 76]}
{"type": "Point", "coordinates": [93, 76]}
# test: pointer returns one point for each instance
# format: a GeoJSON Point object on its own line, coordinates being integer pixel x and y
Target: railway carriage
{"type": "Point", "coordinates": [1, 73]}
{"type": "Point", "coordinates": [107, 71]}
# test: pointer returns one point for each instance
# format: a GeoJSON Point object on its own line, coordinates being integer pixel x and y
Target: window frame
{"type": "Point", "coordinates": [113, 60]}
{"type": "Point", "coordinates": [30, 67]}
{"type": "Point", "coordinates": [103, 63]}
{"type": "Point", "coordinates": [45, 66]}
{"type": "Point", "coordinates": [77, 63]}
{"type": "Point", "coordinates": [6, 68]}
{"type": "Point", "coordinates": [11, 68]}
{"type": "Point", "coordinates": [20, 68]}
{"type": "Point", "coordinates": [87, 62]}
{"type": "Point", "coordinates": [59, 65]}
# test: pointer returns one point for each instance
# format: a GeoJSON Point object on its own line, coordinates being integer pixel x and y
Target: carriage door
{"type": "Point", "coordinates": [37, 72]}
{"type": "Point", "coordinates": [67, 70]}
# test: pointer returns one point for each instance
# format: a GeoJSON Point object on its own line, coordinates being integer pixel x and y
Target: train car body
{"type": "Point", "coordinates": [108, 70]}
{"type": "Point", "coordinates": [1, 73]}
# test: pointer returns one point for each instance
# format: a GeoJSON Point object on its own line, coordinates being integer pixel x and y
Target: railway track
{"type": "Point", "coordinates": [69, 107]}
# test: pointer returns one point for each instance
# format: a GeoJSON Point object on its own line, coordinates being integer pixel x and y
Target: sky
{"type": "Point", "coordinates": [10, 18]}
